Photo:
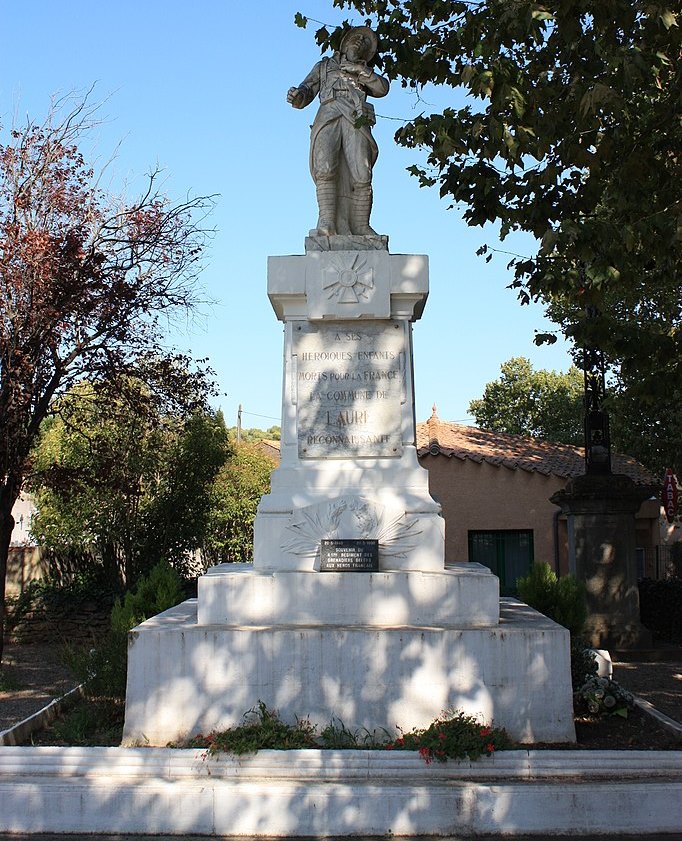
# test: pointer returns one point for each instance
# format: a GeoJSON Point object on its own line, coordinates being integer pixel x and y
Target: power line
{"type": "Point", "coordinates": [256, 415]}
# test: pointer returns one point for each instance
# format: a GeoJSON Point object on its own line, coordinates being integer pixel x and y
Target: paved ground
{"type": "Point", "coordinates": [655, 676]}
{"type": "Point", "coordinates": [32, 676]}
{"type": "Point", "coordinates": [657, 837]}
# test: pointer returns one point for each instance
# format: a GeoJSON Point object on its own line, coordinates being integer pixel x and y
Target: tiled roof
{"type": "Point", "coordinates": [271, 448]}
{"type": "Point", "coordinates": [516, 452]}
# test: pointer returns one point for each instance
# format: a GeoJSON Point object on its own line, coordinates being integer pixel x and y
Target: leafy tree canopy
{"type": "Point", "coordinates": [549, 405]}
{"type": "Point", "coordinates": [648, 427]}
{"type": "Point", "coordinates": [253, 435]}
{"type": "Point", "coordinates": [87, 280]}
{"type": "Point", "coordinates": [239, 486]}
{"type": "Point", "coordinates": [124, 483]}
{"type": "Point", "coordinates": [540, 404]}
{"type": "Point", "coordinates": [571, 132]}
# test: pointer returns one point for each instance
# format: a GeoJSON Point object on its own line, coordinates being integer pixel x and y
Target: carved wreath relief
{"type": "Point", "coordinates": [351, 517]}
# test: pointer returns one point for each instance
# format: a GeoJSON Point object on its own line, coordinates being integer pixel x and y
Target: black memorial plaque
{"type": "Point", "coordinates": [349, 556]}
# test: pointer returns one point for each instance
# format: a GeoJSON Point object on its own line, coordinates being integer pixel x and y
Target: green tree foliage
{"type": "Point", "coordinates": [647, 427]}
{"type": "Point", "coordinates": [253, 435]}
{"type": "Point", "coordinates": [563, 600]}
{"type": "Point", "coordinates": [126, 480]}
{"type": "Point", "coordinates": [179, 519]}
{"type": "Point", "coordinates": [570, 131]}
{"type": "Point", "coordinates": [240, 484]}
{"type": "Point", "coordinates": [86, 280]}
{"type": "Point", "coordinates": [541, 404]}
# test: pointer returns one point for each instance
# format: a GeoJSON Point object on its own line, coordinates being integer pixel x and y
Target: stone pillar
{"type": "Point", "coordinates": [601, 549]}
{"type": "Point", "coordinates": [348, 456]}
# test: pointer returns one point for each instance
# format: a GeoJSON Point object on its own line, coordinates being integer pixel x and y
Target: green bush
{"type": "Point", "coordinates": [561, 599]}
{"type": "Point", "coordinates": [155, 592]}
{"type": "Point", "coordinates": [103, 670]}
{"type": "Point", "coordinates": [97, 722]}
{"type": "Point", "coordinates": [454, 735]}
{"type": "Point", "coordinates": [262, 730]}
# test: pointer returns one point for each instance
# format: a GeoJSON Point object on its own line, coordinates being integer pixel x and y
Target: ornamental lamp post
{"type": "Point", "coordinates": [600, 508]}
{"type": "Point", "coordinates": [596, 421]}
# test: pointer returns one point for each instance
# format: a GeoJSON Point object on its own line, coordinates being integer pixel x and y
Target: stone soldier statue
{"type": "Point", "coordinates": [342, 155]}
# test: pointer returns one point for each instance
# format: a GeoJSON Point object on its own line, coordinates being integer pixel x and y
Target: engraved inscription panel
{"type": "Point", "coordinates": [349, 555]}
{"type": "Point", "coordinates": [350, 387]}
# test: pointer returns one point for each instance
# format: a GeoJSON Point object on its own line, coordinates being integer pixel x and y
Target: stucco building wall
{"type": "Point", "coordinates": [477, 496]}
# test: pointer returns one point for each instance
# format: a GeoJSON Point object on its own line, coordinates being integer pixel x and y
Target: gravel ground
{"type": "Point", "coordinates": [34, 675]}
{"type": "Point", "coordinates": [658, 681]}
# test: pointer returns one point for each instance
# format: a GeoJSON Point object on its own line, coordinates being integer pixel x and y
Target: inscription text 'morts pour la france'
{"type": "Point", "coordinates": [350, 386]}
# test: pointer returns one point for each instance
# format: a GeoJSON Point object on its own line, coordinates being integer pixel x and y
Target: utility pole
{"type": "Point", "coordinates": [239, 424]}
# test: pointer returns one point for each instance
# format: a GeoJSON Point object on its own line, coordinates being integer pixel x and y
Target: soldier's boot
{"type": "Point", "coordinates": [360, 208]}
{"type": "Point", "coordinates": [326, 202]}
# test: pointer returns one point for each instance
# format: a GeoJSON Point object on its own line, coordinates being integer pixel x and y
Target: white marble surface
{"type": "Point", "coordinates": [185, 678]}
{"type": "Point", "coordinates": [401, 283]}
{"type": "Point", "coordinates": [343, 304]}
{"type": "Point", "coordinates": [238, 595]}
{"type": "Point", "coordinates": [338, 793]}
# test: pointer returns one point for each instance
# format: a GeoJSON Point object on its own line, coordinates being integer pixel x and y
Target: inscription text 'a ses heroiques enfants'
{"type": "Point", "coordinates": [350, 387]}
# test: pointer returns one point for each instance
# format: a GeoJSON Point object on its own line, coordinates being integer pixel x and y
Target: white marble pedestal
{"type": "Point", "coordinates": [389, 646]}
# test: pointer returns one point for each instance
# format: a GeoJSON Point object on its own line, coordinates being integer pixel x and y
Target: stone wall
{"type": "Point", "coordinates": [76, 624]}
{"type": "Point", "coordinates": [24, 564]}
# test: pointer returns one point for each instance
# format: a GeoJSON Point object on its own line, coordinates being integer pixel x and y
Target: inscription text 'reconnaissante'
{"type": "Point", "coordinates": [350, 385]}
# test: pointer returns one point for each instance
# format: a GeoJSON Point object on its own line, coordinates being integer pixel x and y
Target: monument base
{"type": "Point", "coordinates": [185, 678]}
{"type": "Point", "coordinates": [462, 596]}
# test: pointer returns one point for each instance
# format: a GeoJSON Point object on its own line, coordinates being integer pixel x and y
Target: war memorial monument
{"type": "Point", "coordinates": [350, 608]}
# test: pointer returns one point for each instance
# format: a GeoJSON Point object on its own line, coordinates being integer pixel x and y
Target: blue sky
{"type": "Point", "coordinates": [200, 89]}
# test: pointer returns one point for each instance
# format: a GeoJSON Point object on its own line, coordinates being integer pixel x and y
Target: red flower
{"type": "Point", "coordinates": [485, 731]}
{"type": "Point", "coordinates": [441, 735]}
{"type": "Point", "coordinates": [490, 747]}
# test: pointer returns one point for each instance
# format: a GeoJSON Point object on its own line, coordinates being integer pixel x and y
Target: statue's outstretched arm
{"type": "Point", "coordinates": [304, 94]}
{"type": "Point", "coordinates": [300, 97]}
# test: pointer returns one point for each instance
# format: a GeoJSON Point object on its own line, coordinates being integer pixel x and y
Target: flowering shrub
{"type": "Point", "coordinates": [600, 696]}
{"type": "Point", "coordinates": [453, 735]}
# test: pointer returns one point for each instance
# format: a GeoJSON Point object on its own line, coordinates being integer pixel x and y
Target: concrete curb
{"type": "Point", "coordinates": [18, 733]}
{"type": "Point", "coordinates": [664, 720]}
{"type": "Point", "coordinates": [315, 792]}
{"type": "Point", "coordinates": [338, 793]}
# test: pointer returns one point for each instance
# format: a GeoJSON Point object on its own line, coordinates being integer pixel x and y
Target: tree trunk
{"type": "Point", "coordinates": [8, 496]}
